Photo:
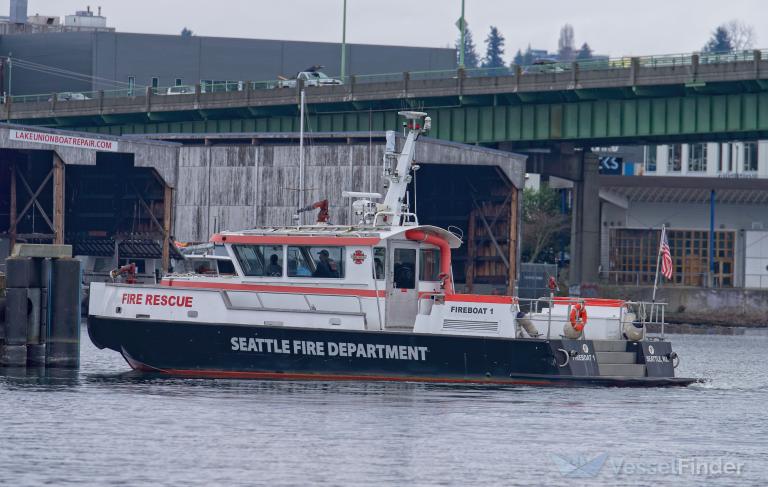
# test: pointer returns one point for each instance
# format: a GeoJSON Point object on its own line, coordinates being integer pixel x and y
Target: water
{"type": "Point", "coordinates": [102, 426]}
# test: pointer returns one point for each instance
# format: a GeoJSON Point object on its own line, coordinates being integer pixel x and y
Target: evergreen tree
{"type": "Point", "coordinates": [518, 59]}
{"type": "Point", "coordinates": [470, 51]}
{"type": "Point", "coordinates": [720, 41]}
{"type": "Point", "coordinates": [566, 44]}
{"type": "Point", "coordinates": [584, 53]}
{"type": "Point", "coordinates": [494, 49]}
{"type": "Point", "coordinates": [528, 56]}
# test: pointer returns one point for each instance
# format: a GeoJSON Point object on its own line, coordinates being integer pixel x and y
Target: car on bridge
{"type": "Point", "coordinates": [69, 96]}
{"type": "Point", "coordinates": [180, 90]}
{"type": "Point", "coordinates": [545, 65]}
{"type": "Point", "coordinates": [312, 76]}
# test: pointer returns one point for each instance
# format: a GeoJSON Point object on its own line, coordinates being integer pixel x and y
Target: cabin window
{"type": "Point", "coordinates": [379, 262]}
{"type": "Point", "coordinates": [260, 260]}
{"type": "Point", "coordinates": [226, 267]}
{"type": "Point", "coordinates": [429, 265]}
{"type": "Point", "coordinates": [405, 269]}
{"type": "Point", "coordinates": [323, 262]}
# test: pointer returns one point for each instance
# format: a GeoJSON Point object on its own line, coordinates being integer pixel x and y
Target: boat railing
{"type": "Point", "coordinates": [537, 305]}
{"type": "Point", "coordinates": [647, 313]}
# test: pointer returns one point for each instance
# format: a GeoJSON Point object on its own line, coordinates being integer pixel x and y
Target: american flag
{"type": "Point", "coordinates": [666, 257]}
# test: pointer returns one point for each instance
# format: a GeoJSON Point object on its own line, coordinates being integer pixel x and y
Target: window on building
{"type": "Point", "coordinates": [697, 158]}
{"type": "Point", "coordinates": [179, 81]}
{"type": "Point", "coordinates": [323, 262]}
{"type": "Point", "coordinates": [260, 260]}
{"type": "Point", "coordinates": [429, 265]}
{"type": "Point", "coordinates": [131, 85]}
{"type": "Point", "coordinates": [674, 161]}
{"type": "Point", "coordinates": [650, 158]}
{"type": "Point", "coordinates": [750, 156]}
{"type": "Point", "coordinates": [634, 252]}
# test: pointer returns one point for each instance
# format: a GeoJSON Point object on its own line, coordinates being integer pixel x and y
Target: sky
{"type": "Point", "coordinates": [616, 28]}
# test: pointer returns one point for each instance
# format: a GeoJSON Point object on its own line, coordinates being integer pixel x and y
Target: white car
{"type": "Point", "coordinates": [69, 95]}
{"type": "Point", "coordinates": [311, 77]}
{"type": "Point", "coordinates": [180, 90]}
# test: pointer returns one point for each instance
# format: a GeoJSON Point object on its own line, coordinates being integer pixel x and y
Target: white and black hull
{"type": "Point", "coordinates": [295, 353]}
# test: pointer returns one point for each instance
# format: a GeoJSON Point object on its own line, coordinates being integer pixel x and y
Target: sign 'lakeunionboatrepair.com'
{"type": "Point", "coordinates": [65, 140]}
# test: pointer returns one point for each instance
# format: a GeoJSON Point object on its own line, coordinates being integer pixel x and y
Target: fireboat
{"type": "Point", "coordinates": [374, 301]}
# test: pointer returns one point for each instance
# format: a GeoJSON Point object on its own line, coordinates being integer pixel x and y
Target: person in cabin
{"type": "Point", "coordinates": [326, 267]}
{"type": "Point", "coordinates": [274, 269]}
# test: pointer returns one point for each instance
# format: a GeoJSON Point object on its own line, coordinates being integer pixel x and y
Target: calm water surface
{"type": "Point", "coordinates": [102, 426]}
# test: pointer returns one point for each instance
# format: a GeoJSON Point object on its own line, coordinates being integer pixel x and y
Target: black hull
{"type": "Point", "coordinates": [263, 352]}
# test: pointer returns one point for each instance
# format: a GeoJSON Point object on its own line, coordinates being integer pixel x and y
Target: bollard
{"type": "Point", "coordinates": [63, 334]}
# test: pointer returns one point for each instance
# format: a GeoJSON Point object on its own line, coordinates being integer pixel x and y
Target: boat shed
{"type": "Point", "coordinates": [127, 193]}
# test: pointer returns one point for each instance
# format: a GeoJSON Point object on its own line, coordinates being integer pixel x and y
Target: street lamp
{"type": "Point", "coordinates": [344, 44]}
{"type": "Point", "coordinates": [463, 29]}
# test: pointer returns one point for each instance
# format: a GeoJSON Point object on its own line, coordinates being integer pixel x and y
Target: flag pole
{"type": "Point", "coordinates": [658, 261]}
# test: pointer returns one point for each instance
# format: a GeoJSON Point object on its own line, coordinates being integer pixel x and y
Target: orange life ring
{"type": "Point", "coordinates": [578, 317]}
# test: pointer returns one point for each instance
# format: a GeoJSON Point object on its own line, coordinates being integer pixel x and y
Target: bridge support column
{"type": "Point", "coordinates": [585, 226]}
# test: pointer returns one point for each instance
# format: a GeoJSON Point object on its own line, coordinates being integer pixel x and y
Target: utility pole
{"type": "Point", "coordinates": [463, 29]}
{"type": "Point", "coordinates": [10, 74]}
{"type": "Point", "coordinates": [344, 44]}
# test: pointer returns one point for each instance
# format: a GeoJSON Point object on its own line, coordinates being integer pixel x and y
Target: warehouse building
{"type": "Point", "coordinates": [119, 199]}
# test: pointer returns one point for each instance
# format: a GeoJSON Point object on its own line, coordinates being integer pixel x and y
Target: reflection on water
{"type": "Point", "coordinates": [106, 425]}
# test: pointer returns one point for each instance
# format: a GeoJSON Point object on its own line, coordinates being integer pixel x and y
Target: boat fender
{"type": "Point", "coordinates": [633, 330]}
{"type": "Point", "coordinates": [675, 358]}
{"type": "Point", "coordinates": [527, 325]}
{"type": "Point", "coordinates": [566, 355]}
{"type": "Point", "coordinates": [578, 317]}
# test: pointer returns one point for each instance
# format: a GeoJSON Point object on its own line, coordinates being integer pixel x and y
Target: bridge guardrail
{"type": "Point", "coordinates": [620, 63]}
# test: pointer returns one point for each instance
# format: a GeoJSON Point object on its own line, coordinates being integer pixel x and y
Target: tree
{"type": "Point", "coordinates": [720, 41]}
{"type": "Point", "coordinates": [518, 59]}
{"type": "Point", "coordinates": [742, 36]}
{"type": "Point", "coordinates": [528, 56]}
{"type": "Point", "coordinates": [584, 53]}
{"type": "Point", "coordinates": [545, 229]}
{"type": "Point", "coordinates": [494, 49]}
{"type": "Point", "coordinates": [186, 32]}
{"type": "Point", "coordinates": [566, 43]}
{"type": "Point", "coordinates": [470, 51]}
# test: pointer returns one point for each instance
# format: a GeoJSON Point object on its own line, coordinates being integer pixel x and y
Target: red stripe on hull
{"type": "Point", "coordinates": [480, 298]}
{"type": "Point", "coordinates": [227, 374]}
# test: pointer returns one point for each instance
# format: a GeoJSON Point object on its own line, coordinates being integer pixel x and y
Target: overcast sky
{"type": "Point", "coordinates": [613, 27]}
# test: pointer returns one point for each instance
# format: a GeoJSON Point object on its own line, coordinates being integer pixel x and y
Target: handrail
{"type": "Point", "coordinates": [607, 63]}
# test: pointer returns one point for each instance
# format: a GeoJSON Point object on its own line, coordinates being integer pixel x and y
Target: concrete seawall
{"type": "Point", "coordinates": [722, 307]}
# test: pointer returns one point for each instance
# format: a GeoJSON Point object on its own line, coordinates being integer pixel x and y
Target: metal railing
{"type": "Point", "coordinates": [646, 313]}
{"type": "Point", "coordinates": [618, 63]}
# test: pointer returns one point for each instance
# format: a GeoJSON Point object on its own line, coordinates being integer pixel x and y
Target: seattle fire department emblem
{"type": "Point", "coordinates": [358, 256]}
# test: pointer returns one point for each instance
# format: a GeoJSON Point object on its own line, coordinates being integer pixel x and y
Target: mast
{"type": "Point", "coordinates": [301, 156]}
{"type": "Point", "coordinates": [400, 176]}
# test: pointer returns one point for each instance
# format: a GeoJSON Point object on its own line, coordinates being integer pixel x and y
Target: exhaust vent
{"type": "Point", "coordinates": [473, 326]}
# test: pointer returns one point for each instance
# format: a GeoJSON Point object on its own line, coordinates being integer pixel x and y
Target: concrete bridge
{"type": "Point", "coordinates": [627, 100]}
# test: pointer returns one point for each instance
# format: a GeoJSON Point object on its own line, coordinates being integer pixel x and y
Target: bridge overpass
{"type": "Point", "coordinates": [627, 100]}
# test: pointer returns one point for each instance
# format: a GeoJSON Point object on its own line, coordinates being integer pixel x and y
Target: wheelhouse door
{"type": "Point", "coordinates": [402, 285]}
